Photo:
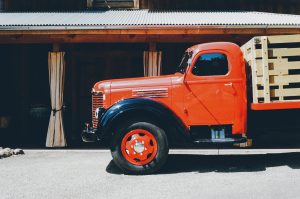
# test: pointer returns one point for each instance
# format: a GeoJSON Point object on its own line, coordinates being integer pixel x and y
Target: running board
{"type": "Point", "coordinates": [220, 141]}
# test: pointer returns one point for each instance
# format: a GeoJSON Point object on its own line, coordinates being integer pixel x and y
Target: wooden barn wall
{"type": "Point", "coordinates": [25, 70]}
{"type": "Point", "coordinates": [89, 63]}
{"type": "Point", "coordinates": [24, 83]}
{"type": "Point", "coordinates": [277, 6]}
{"type": "Point", "coordinates": [44, 5]}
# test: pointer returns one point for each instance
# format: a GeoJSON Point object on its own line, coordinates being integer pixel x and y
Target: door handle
{"type": "Point", "coordinates": [228, 84]}
{"type": "Point", "coordinates": [231, 89]}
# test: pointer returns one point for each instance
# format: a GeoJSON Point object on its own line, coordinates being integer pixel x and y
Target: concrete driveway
{"type": "Point", "coordinates": [198, 174]}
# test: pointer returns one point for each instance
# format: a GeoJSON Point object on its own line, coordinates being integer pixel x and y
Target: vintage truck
{"type": "Point", "coordinates": [219, 91]}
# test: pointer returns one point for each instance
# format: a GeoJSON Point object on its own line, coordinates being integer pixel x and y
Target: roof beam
{"type": "Point", "coordinates": [13, 39]}
{"type": "Point", "coordinates": [174, 31]}
{"type": "Point", "coordinates": [72, 37]}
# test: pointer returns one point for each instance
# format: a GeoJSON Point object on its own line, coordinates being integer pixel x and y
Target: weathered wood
{"type": "Point", "coordinates": [55, 47]}
{"type": "Point", "coordinates": [157, 30]}
{"type": "Point", "coordinates": [280, 80]}
{"type": "Point", "coordinates": [283, 52]}
{"type": "Point", "coordinates": [284, 39]}
{"type": "Point", "coordinates": [265, 69]}
{"type": "Point", "coordinates": [291, 92]}
{"type": "Point", "coordinates": [113, 4]}
{"type": "Point", "coordinates": [121, 38]}
{"type": "Point", "coordinates": [152, 46]}
{"type": "Point", "coordinates": [275, 71]}
{"type": "Point", "coordinates": [254, 71]}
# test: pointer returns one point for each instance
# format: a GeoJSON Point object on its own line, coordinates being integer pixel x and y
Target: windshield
{"type": "Point", "coordinates": [184, 62]}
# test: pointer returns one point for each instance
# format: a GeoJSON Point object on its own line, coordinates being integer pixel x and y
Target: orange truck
{"type": "Point", "coordinates": [219, 94]}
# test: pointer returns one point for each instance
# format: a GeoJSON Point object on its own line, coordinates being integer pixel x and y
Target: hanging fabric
{"type": "Point", "coordinates": [152, 63]}
{"type": "Point", "coordinates": [56, 67]}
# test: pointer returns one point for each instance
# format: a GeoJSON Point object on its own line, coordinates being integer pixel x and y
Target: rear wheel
{"type": "Point", "coordinates": [140, 148]}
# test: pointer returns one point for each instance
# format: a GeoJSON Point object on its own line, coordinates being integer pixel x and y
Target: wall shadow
{"type": "Point", "coordinates": [180, 163]}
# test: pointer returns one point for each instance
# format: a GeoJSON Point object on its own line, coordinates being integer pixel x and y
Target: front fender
{"type": "Point", "coordinates": [135, 108]}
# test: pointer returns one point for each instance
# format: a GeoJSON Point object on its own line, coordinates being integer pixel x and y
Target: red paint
{"type": "Point", "coordinates": [275, 106]}
{"type": "Point", "coordinates": [139, 136]}
{"type": "Point", "coordinates": [196, 100]}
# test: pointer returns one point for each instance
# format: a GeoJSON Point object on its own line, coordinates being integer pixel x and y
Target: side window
{"type": "Point", "coordinates": [211, 64]}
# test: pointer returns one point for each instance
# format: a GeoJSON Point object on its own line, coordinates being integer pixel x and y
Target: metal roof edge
{"type": "Point", "coordinates": [159, 27]}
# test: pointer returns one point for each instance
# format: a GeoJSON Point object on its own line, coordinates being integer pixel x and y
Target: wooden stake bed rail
{"type": "Point", "coordinates": [275, 71]}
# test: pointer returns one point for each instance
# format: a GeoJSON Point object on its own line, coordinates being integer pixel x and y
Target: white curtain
{"type": "Point", "coordinates": [56, 67]}
{"type": "Point", "coordinates": [152, 63]}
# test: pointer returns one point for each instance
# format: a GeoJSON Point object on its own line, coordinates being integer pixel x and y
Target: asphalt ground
{"type": "Point", "coordinates": [222, 173]}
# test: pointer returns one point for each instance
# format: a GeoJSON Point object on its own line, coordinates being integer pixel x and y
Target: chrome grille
{"type": "Point", "coordinates": [97, 101]}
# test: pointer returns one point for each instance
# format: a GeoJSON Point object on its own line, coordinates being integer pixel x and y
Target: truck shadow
{"type": "Point", "coordinates": [179, 163]}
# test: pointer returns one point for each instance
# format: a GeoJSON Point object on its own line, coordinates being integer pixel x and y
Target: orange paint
{"type": "Point", "coordinates": [275, 106]}
{"type": "Point", "coordinates": [211, 100]}
{"type": "Point", "coordinates": [196, 100]}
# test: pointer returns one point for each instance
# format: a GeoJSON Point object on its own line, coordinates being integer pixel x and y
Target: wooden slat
{"type": "Point", "coordinates": [265, 69]}
{"type": "Point", "coordinates": [114, 3]}
{"type": "Point", "coordinates": [291, 92]}
{"type": "Point", "coordinates": [284, 39]}
{"type": "Point", "coordinates": [283, 52]}
{"type": "Point", "coordinates": [280, 80]}
{"type": "Point", "coordinates": [272, 67]}
{"type": "Point", "coordinates": [280, 87]}
{"type": "Point", "coordinates": [254, 71]}
{"type": "Point", "coordinates": [280, 67]}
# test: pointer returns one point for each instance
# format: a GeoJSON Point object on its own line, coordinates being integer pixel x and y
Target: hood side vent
{"type": "Point", "coordinates": [151, 92]}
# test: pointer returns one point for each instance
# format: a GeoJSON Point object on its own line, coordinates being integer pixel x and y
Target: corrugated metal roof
{"type": "Point", "coordinates": [143, 18]}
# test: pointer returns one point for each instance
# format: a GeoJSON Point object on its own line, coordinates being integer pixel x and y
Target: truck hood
{"type": "Point", "coordinates": [142, 82]}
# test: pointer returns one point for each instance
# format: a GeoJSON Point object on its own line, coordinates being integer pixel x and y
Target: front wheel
{"type": "Point", "coordinates": [140, 148]}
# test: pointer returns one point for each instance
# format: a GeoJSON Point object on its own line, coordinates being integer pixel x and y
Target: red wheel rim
{"type": "Point", "coordinates": [139, 147]}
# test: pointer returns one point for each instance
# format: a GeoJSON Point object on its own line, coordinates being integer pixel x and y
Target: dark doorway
{"type": "Point", "coordinates": [88, 64]}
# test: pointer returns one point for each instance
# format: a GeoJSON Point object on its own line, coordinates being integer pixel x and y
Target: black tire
{"type": "Point", "coordinates": [153, 166]}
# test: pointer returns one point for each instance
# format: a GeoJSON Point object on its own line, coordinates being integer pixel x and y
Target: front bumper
{"type": "Point", "coordinates": [89, 134]}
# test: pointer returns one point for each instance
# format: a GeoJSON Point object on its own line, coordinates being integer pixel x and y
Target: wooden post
{"type": "Point", "coordinates": [280, 86]}
{"type": "Point", "coordinates": [254, 72]}
{"type": "Point", "coordinates": [2, 5]}
{"type": "Point", "coordinates": [152, 46]}
{"type": "Point", "coordinates": [56, 47]}
{"type": "Point", "coordinates": [265, 67]}
{"type": "Point", "coordinates": [74, 90]}
{"type": "Point", "coordinates": [89, 3]}
{"type": "Point", "coordinates": [136, 4]}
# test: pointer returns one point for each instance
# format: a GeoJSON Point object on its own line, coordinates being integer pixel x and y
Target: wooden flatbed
{"type": "Point", "coordinates": [274, 63]}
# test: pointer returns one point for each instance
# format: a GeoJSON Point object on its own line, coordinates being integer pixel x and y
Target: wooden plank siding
{"type": "Point", "coordinates": [44, 5]}
{"type": "Point", "coordinates": [276, 6]}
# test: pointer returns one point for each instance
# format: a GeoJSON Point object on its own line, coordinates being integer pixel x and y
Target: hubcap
{"type": "Point", "coordinates": [139, 147]}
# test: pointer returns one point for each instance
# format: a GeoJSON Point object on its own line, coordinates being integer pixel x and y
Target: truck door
{"type": "Point", "coordinates": [211, 91]}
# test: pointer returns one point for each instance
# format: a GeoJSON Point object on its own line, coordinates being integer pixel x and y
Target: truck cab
{"type": "Point", "coordinates": [205, 101]}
